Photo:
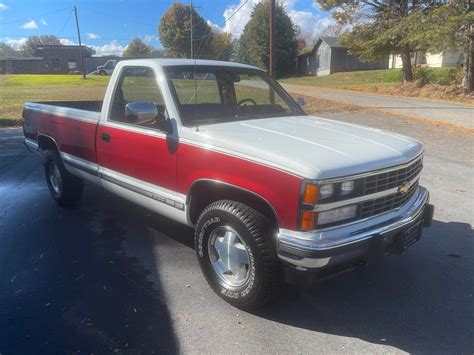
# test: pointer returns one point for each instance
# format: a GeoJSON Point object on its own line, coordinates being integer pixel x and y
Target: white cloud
{"type": "Point", "coordinates": [93, 36]}
{"type": "Point", "coordinates": [149, 38]}
{"type": "Point", "coordinates": [66, 42]}
{"type": "Point", "coordinates": [3, 6]}
{"type": "Point", "coordinates": [112, 48]}
{"type": "Point", "coordinates": [15, 43]}
{"type": "Point", "coordinates": [30, 25]}
{"type": "Point", "coordinates": [43, 22]}
{"type": "Point", "coordinates": [309, 22]}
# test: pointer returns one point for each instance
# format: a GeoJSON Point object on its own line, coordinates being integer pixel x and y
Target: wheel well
{"type": "Point", "coordinates": [47, 143]}
{"type": "Point", "coordinates": [203, 193]}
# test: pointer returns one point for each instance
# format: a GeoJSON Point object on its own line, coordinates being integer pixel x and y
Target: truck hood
{"type": "Point", "coordinates": [310, 147]}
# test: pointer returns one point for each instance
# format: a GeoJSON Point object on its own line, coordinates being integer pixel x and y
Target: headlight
{"type": "Point", "coordinates": [337, 214]}
{"type": "Point", "coordinates": [326, 191]}
{"type": "Point", "coordinates": [347, 187]}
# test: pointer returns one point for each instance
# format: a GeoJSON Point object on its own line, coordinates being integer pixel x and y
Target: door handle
{"type": "Point", "coordinates": [105, 137]}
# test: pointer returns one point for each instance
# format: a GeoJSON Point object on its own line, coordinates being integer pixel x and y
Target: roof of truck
{"type": "Point", "coordinates": [164, 62]}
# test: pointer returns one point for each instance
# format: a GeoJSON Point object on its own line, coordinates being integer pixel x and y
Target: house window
{"type": "Point", "coordinates": [56, 64]}
{"type": "Point", "coordinates": [72, 64]}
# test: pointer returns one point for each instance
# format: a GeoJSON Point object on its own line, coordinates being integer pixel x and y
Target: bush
{"type": "Point", "coordinates": [441, 76]}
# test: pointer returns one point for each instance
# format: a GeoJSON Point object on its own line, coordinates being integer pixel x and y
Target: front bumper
{"type": "Point", "coordinates": [357, 241]}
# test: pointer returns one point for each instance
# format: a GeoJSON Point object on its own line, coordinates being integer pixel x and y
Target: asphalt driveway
{"type": "Point", "coordinates": [458, 114]}
{"type": "Point", "coordinates": [109, 276]}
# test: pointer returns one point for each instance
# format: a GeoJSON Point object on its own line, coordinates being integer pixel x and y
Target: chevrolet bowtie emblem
{"type": "Point", "coordinates": [404, 188]}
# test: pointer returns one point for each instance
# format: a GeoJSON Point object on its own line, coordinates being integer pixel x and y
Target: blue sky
{"type": "Point", "coordinates": [108, 25]}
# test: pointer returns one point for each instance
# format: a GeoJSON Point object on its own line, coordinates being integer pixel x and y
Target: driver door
{"type": "Point", "coordinates": [136, 155]}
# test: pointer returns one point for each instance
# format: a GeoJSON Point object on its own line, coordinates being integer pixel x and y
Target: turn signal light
{"type": "Point", "coordinates": [311, 194]}
{"type": "Point", "coordinates": [308, 220]}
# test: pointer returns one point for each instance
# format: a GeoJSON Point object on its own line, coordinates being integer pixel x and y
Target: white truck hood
{"type": "Point", "coordinates": [310, 147]}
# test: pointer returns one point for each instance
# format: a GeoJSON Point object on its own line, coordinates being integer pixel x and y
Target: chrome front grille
{"type": "Point", "coordinates": [387, 203]}
{"type": "Point", "coordinates": [389, 180]}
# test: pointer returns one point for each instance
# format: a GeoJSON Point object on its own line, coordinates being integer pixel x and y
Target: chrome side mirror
{"type": "Point", "coordinates": [300, 101]}
{"type": "Point", "coordinates": [141, 112]}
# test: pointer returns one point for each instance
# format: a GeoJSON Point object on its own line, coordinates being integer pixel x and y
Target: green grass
{"type": "Point", "coordinates": [366, 79]}
{"type": "Point", "coordinates": [15, 90]}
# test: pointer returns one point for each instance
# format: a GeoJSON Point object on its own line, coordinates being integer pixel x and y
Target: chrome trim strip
{"type": "Point", "coordinates": [369, 173]}
{"type": "Point", "coordinates": [31, 145]}
{"type": "Point", "coordinates": [113, 177]}
{"type": "Point", "coordinates": [356, 200]}
{"type": "Point", "coordinates": [311, 241]}
{"type": "Point", "coordinates": [80, 164]}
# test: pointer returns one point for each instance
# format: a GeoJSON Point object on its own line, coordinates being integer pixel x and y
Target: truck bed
{"type": "Point", "coordinates": [95, 106]}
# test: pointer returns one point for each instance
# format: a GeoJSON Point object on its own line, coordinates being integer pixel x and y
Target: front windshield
{"type": "Point", "coordinates": [218, 94]}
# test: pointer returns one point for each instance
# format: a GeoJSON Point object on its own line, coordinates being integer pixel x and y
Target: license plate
{"type": "Point", "coordinates": [408, 237]}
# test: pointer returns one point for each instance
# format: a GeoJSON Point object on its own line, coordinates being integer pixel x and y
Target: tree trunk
{"type": "Point", "coordinates": [406, 64]}
{"type": "Point", "coordinates": [468, 79]}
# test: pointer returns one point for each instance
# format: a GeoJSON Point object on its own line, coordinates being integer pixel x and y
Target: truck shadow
{"type": "Point", "coordinates": [419, 302]}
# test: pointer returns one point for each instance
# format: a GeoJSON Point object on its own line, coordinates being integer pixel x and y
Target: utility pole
{"type": "Point", "coordinates": [191, 14]}
{"type": "Point", "coordinates": [80, 44]}
{"type": "Point", "coordinates": [271, 66]}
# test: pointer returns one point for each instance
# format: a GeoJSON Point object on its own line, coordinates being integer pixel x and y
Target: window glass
{"type": "Point", "coordinates": [136, 84]}
{"type": "Point", "coordinates": [200, 88]}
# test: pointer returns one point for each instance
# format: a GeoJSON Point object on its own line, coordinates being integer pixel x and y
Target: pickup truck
{"type": "Point", "coordinates": [273, 194]}
{"type": "Point", "coordinates": [107, 68]}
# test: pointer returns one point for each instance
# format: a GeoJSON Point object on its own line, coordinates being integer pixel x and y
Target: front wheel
{"type": "Point", "coordinates": [236, 254]}
{"type": "Point", "coordinates": [65, 188]}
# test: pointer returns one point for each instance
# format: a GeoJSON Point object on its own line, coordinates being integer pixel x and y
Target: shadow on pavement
{"type": "Point", "coordinates": [421, 301]}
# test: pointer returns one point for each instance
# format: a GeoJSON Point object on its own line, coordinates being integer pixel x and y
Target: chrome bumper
{"type": "Point", "coordinates": [350, 242]}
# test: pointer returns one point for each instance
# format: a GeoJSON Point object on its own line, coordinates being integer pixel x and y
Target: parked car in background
{"type": "Point", "coordinates": [107, 68]}
{"type": "Point", "coordinates": [221, 147]}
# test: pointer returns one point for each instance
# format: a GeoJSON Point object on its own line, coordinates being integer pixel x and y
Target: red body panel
{"type": "Point", "coordinates": [72, 136]}
{"type": "Point", "coordinates": [279, 188]}
{"type": "Point", "coordinates": [168, 164]}
{"type": "Point", "coordinates": [148, 158]}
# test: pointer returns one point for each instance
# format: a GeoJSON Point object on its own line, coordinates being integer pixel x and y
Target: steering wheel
{"type": "Point", "coordinates": [246, 100]}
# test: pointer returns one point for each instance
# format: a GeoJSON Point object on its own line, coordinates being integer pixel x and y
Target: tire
{"type": "Point", "coordinates": [65, 188]}
{"type": "Point", "coordinates": [102, 73]}
{"type": "Point", "coordinates": [246, 286]}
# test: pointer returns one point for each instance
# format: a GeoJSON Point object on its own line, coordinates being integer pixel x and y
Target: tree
{"type": "Point", "coordinates": [175, 31]}
{"type": "Point", "coordinates": [254, 42]}
{"type": "Point", "coordinates": [7, 51]}
{"type": "Point", "coordinates": [378, 27]}
{"type": "Point", "coordinates": [136, 48]}
{"type": "Point", "coordinates": [447, 28]}
{"type": "Point", "coordinates": [220, 46]}
{"type": "Point", "coordinates": [28, 48]}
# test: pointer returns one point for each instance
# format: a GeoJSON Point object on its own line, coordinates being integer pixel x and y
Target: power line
{"type": "Point", "coordinates": [65, 24]}
{"type": "Point", "coordinates": [222, 24]}
{"type": "Point", "coordinates": [31, 17]}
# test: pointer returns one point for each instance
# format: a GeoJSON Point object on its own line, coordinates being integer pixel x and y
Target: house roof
{"type": "Point", "coordinates": [332, 42]}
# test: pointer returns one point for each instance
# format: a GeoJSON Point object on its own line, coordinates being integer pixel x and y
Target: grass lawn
{"type": "Point", "coordinates": [15, 90]}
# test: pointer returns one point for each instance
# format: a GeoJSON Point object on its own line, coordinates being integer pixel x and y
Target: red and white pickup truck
{"type": "Point", "coordinates": [221, 147]}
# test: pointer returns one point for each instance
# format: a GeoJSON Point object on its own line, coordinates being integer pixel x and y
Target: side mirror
{"type": "Point", "coordinates": [141, 112]}
{"type": "Point", "coordinates": [300, 101]}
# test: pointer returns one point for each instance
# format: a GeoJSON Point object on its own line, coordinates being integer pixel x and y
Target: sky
{"type": "Point", "coordinates": [108, 26]}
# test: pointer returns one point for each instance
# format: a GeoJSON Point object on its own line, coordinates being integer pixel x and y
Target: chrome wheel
{"type": "Point", "coordinates": [229, 256]}
{"type": "Point", "coordinates": [55, 178]}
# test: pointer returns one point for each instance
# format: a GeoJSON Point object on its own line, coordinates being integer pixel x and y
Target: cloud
{"type": "Point", "coordinates": [112, 48]}
{"type": "Point", "coordinates": [30, 25]}
{"type": "Point", "coordinates": [93, 36]}
{"type": "Point", "coordinates": [66, 42]}
{"type": "Point", "coordinates": [309, 22]}
{"type": "Point", "coordinates": [15, 43]}
{"type": "Point", "coordinates": [149, 38]}
{"type": "Point", "coordinates": [43, 22]}
{"type": "Point", "coordinates": [3, 6]}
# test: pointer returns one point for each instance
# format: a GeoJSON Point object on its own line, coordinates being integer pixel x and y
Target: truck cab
{"type": "Point", "coordinates": [107, 68]}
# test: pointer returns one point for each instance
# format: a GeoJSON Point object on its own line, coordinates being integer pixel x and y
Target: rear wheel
{"type": "Point", "coordinates": [236, 255]}
{"type": "Point", "coordinates": [65, 188]}
{"type": "Point", "coordinates": [102, 72]}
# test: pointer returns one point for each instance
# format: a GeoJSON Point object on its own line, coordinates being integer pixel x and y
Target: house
{"type": "Point", "coordinates": [53, 59]}
{"type": "Point", "coordinates": [432, 60]}
{"type": "Point", "coordinates": [329, 56]}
